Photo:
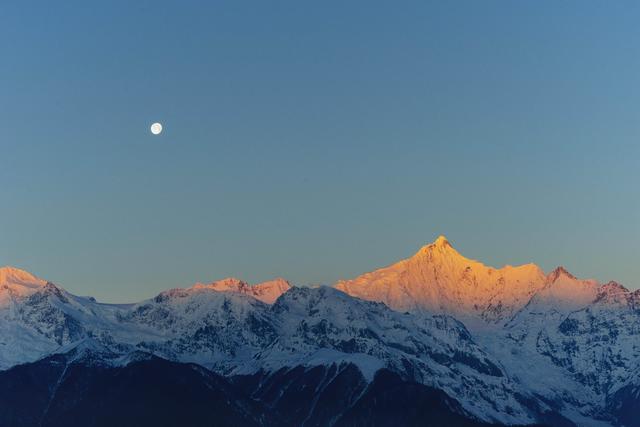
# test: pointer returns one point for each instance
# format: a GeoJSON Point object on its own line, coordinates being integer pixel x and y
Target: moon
{"type": "Point", "coordinates": [156, 128]}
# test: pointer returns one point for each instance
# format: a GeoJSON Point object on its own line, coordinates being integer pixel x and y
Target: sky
{"type": "Point", "coordinates": [315, 140]}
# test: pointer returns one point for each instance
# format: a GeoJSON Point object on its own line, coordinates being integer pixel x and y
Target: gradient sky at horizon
{"type": "Point", "coordinates": [315, 141]}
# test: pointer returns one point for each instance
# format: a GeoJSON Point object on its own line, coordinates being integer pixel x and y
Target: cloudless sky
{"type": "Point", "coordinates": [315, 140]}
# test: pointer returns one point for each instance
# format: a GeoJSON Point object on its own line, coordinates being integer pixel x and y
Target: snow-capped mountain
{"type": "Point", "coordinates": [226, 328]}
{"type": "Point", "coordinates": [31, 322]}
{"type": "Point", "coordinates": [438, 279]}
{"type": "Point", "coordinates": [567, 340]}
{"type": "Point", "coordinates": [511, 345]}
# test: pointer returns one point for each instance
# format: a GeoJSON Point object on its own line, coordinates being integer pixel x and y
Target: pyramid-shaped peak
{"type": "Point", "coordinates": [441, 241]}
{"type": "Point", "coordinates": [614, 293]}
{"type": "Point", "coordinates": [440, 248]}
{"type": "Point", "coordinates": [613, 287]}
{"type": "Point", "coordinates": [440, 279]}
{"type": "Point", "coordinates": [560, 272]}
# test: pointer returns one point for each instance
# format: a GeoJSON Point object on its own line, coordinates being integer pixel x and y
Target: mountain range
{"type": "Point", "coordinates": [435, 339]}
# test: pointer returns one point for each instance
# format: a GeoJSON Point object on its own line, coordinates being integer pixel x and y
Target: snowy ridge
{"type": "Point", "coordinates": [232, 333]}
{"type": "Point", "coordinates": [509, 344]}
{"type": "Point", "coordinates": [267, 292]}
{"type": "Point", "coordinates": [573, 341]}
{"type": "Point", "coordinates": [438, 279]}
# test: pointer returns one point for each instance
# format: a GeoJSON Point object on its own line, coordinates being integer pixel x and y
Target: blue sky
{"type": "Point", "coordinates": [315, 140]}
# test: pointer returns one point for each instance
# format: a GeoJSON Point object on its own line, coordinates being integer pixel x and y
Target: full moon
{"type": "Point", "coordinates": [156, 128]}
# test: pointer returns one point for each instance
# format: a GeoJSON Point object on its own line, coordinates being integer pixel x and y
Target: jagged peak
{"type": "Point", "coordinates": [226, 284]}
{"type": "Point", "coordinates": [613, 293]}
{"type": "Point", "coordinates": [439, 247]}
{"type": "Point", "coordinates": [564, 291]}
{"type": "Point", "coordinates": [441, 241]}
{"type": "Point", "coordinates": [560, 272]}
{"type": "Point", "coordinates": [267, 291]}
{"type": "Point", "coordinates": [613, 287]}
{"type": "Point", "coordinates": [233, 283]}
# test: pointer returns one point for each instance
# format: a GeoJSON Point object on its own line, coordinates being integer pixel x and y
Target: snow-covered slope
{"type": "Point", "coordinates": [571, 341]}
{"type": "Point", "coordinates": [323, 324]}
{"type": "Point", "coordinates": [511, 345]}
{"type": "Point", "coordinates": [227, 328]}
{"type": "Point", "coordinates": [38, 317]}
{"type": "Point", "coordinates": [31, 322]}
{"type": "Point", "coordinates": [233, 333]}
{"type": "Point", "coordinates": [15, 282]}
{"type": "Point", "coordinates": [438, 279]}
{"type": "Point", "coordinates": [596, 343]}
{"type": "Point", "coordinates": [576, 342]}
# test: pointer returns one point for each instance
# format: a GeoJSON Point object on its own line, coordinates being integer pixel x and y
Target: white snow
{"type": "Point", "coordinates": [267, 292]}
{"type": "Point", "coordinates": [566, 339]}
{"type": "Point", "coordinates": [440, 280]}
